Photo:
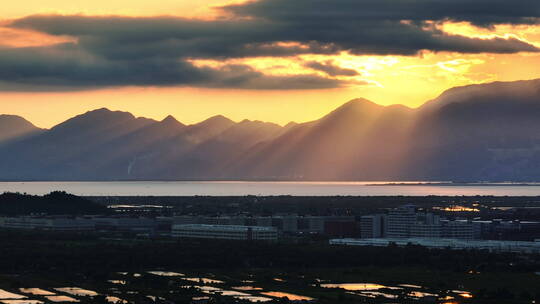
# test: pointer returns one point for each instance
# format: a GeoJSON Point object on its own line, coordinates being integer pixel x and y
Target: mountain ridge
{"type": "Point", "coordinates": [13, 127]}
{"type": "Point", "coordinates": [476, 132]}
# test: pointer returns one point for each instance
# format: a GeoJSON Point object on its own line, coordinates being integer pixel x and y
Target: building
{"type": "Point", "coordinates": [489, 245]}
{"type": "Point", "coordinates": [406, 222]}
{"type": "Point", "coordinates": [225, 232]}
{"type": "Point", "coordinates": [315, 224]}
{"type": "Point", "coordinates": [424, 230]}
{"type": "Point", "coordinates": [461, 230]}
{"type": "Point", "coordinates": [400, 221]}
{"type": "Point", "coordinates": [341, 226]}
{"type": "Point", "coordinates": [427, 225]}
{"type": "Point", "coordinates": [265, 221]}
{"type": "Point", "coordinates": [336, 226]}
{"type": "Point", "coordinates": [373, 226]}
{"type": "Point", "coordinates": [48, 223]}
{"type": "Point", "coordinates": [126, 224]}
{"type": "Point", "coordinates": [289, 224]}
{"type": "Point", "coordinates": [507, 229]}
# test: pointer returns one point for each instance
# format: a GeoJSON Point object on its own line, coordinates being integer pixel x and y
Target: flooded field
{"type": "Point", "coordinates": [178, 286]}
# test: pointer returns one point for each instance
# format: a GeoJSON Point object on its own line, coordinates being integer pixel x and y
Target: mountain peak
{"type": "Point", "coordinates": [104, 109]}
{"type": "Point", "coordinates": [13, 126]}
{"type": "Point", "coordinates": [104, 113]}
{"type": "Point", "coordinates": [218, 119]}
{"type": "Point", "coordinates": [366, 107]}
{"type": "Point", "coordinates": [358, 101]}
{"type": "Point", "coordinates": [499, 91]}
{"type": "Point", "coordinates": [363, 102]}
{"type": "Point", "coordinates": [170, 120]}
{"type": "Point", "coordinates": [9, 117]}
{"type": "Point", "coordinates": [354, 107]}
{"type": "Point", "coordinates": [291, 124]}
{"type": "Point", "coordinates": [209, 128]}
{"type": "Point", "coordinates": [99, 119]}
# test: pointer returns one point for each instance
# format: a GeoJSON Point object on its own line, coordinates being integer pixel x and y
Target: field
{"type": "Point", "coordinates": [248, 271]}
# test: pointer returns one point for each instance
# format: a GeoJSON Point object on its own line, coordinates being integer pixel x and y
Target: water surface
{"type": "Point", "coordinates": [157, 188]}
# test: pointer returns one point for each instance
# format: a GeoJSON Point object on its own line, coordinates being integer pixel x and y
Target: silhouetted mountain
{"type": "Point", "coordinates": [478, 132]}
{"type": "Point", "coordinates": [208, 128]}
{"type": "Point", "coordinates": [71, 150]}
{"type": "Point", "coordinates": [14, 127]}
{"type": "Point", "coordinates": [357, 140]}
{"type": "Point", "coordinates": [212, 158]}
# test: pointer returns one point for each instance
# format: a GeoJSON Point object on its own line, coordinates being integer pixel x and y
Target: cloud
{"type": "Point", "coordinates": [330, 69]}
{"type": "Point", "coordinates": [156, 51]}
{"type": "Point", "coordinates": [479, 12]}
{"type": "Point", "coordinates": [400, 27]}
{"type": "Point", "coordinates": [314, 29]}
{"type": "Point", "coordinates": [68, 67]}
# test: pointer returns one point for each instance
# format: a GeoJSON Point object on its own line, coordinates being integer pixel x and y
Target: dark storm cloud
{"type": "Point", "coordinates": [330, 69]}
{"type": "Point", "coordinates": [118, 51]}
{"type": "Point", "coordinates": [320, 29]}
{"type": "Point", "coordinates": [130, 38]}
{"type": "Point", "coordinates": [68, 67]}
{"type": "Point", "coordinates": [393, 26]}
{"type": "Point", "coordinates": [480, 12]}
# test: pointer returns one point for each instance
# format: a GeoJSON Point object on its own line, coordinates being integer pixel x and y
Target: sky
{"type": "Point", "coordinates": [271, 60]}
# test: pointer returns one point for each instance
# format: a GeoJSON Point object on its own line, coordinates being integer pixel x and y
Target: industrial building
{"type": "Point", "coordinates": [48, 223]}
{"type": "Point", "coordinates": [225, 232]}
{"type": "Point", "coordinates": [336, 226]}
{"type": "Point", "coordinates": [400, 221]}
{"type": "Point", "coordinates": [126, 224]}
{"type": "Point", "coordinates": [463, 230]}
{"type": "Point", "coordinates": [373, 226]}
{"type": "Point", "coordinates": [406, 222]}
{"type": "Point", "coordinates": [443, 243]}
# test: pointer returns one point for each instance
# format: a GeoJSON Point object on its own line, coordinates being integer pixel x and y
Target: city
{"type": "Point", "coordinates": [250, 249]}
{"type": "Point", "coordinates": [405, 224]}
{"type": "Point", "coordinates": [270, 151]}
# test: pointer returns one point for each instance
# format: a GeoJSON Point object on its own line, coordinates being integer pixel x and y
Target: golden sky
{"type": "Point", "coordinates": [385, 79]}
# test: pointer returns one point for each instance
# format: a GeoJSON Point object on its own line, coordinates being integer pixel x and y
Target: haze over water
{"type": "Point", "coordinates": [183, 188]}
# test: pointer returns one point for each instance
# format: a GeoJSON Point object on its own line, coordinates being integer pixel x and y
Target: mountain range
{"type": "Point", "coordinates": [485, 132]}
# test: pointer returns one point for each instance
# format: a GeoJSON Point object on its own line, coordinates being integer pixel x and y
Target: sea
{"type": "Point", "coordinates": [242, 188]}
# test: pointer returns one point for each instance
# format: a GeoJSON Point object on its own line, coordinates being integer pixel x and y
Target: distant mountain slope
{"type": "Point", "coordinates": [208, 128]}
{"type": "Point", "coordinates": [15, 127]}
{"type": "Point", "coordinates": [358, 139]}
{"type": "Point", "coordinates": [478, 132]}
{"type": "Point", "coordinates": [524, 91]}
{"type": "Point", "coordinates": [111, 145]}
{"type": "Point", "coordinates": [68, 150]}
{"type": "Point", "coordinates": [210, 159]}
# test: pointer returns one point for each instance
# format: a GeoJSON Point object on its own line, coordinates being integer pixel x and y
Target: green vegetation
{"type": "Point", "coordinates": [13, 204]}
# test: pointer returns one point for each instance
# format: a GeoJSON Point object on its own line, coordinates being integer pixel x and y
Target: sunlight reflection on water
{"type": "Point", "coordinates": [265, 188]}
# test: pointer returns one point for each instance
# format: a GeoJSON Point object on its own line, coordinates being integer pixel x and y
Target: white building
{"type": "Point", "coordinates": [426, 230]}
{"type": "Point", "coordinates": [490, 245]}
{"type": "Point", "coordinates": [463, 230]}
{"type": "Point", "coordinates": [400, 221]}
{"type": "Point", "coordinates": [405, 222]}
{"type": "Point", "coordinates": [225, 232]}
